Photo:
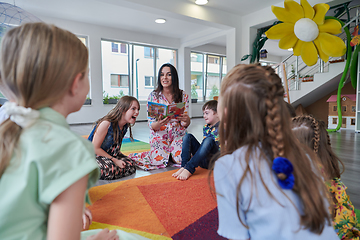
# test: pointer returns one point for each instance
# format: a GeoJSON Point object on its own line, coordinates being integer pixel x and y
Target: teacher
{"type": "Point", "coordinates": [165, 135]}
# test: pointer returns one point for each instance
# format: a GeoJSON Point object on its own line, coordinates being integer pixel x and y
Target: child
{"type": "Point", "coordinates": [203, 152]}
{"type": "Point", "coordinates": [265, 185]}
{"type": "Point", "coordinates": [312, 133]}
{"type": "Point", "coordinates": [107, 136]}
{"type": "Point", "coordinates": [45, 169]}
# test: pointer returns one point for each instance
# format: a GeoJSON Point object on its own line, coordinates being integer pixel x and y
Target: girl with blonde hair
{"type": "Point", "coordinates": [265, 182]}
{"type": "Point", "coordinates": [45, 169]}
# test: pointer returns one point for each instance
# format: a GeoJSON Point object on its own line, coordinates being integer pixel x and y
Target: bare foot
{"type": "Point", "coordinates": [185, 174]}
{"type": "Point", "coordinates": [175, 175]}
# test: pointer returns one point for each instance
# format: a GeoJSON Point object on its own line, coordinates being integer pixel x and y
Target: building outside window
{"type": "Point", "coordinates": [353, 108]}
{"type": "Point", "coordinates": [344, 108]}
{"type": "Point", "coordinates": [133, 72]}
{"type": "Point", "coordinates": [118, 80]}
{"type": "Point", "coordinates": [334, 120]}
{"type": "Point", "coordinates": [334, 108]}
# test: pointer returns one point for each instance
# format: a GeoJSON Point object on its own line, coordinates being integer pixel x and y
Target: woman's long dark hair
{"type": "Point", "coordinates": [177, 93]}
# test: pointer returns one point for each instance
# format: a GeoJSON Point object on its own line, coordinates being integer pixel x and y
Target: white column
{"type": "Point", "coordinates": [184, 72]}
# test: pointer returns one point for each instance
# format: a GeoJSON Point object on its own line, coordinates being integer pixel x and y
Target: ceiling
{"type": "Point", "coordinates": [139, 15]}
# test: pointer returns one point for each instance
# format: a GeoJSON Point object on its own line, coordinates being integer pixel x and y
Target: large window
{"type": "Point", "coordinates": [132, 69]}
{"type": "Point", "coordinates": [207, 71]}
{"type": "Point", "coordinates": [84, 40]}
{"type": "Point", "coordinates": [115, 69]}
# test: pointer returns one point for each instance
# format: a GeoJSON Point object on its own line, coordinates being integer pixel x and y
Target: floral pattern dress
{"type": "Point", "coordinates": [164, 142]}
{"type": "Point", "coordinates": [345, 221]}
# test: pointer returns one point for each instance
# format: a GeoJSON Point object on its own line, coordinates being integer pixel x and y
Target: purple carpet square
{"type": "Point", "coordinates": [204, 228]}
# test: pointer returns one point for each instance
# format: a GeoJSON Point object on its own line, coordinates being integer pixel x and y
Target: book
{"type": "Point", "coordinates": [160, 111]}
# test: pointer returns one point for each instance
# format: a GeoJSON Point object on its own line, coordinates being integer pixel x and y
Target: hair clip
{"type": "Point", "coordinates": [283, 169]}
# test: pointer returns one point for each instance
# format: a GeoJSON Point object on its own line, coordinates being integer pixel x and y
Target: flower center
{"type": "Point", "coordinates": [306, 30]}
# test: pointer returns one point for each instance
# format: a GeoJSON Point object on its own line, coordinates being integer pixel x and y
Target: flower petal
{"type": "Point", "coordinates": [283, 15]}
{"type": "Point", "coordinates": [320, 11]}
{"type": "Point", "coordinates": [322, 55]}
{"type": "Point", "coordinates": [309, 12]}
{"type": "Point", "coordinates": [288, 41]}
{"type": "Point", "coordinates": [280, 30]}
{"type": "Point", "coordinates": [331, 45]}
{"type": "Point", "coordinates": [298, 47]}
{"type": "Point", "coordinates": [294, 8]}
{"type": "Point", "coordinates": [331, 26]}
{"type": "Point", "coordinates": [309, 53]}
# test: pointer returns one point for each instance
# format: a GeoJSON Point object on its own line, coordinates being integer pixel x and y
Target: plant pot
{"type": "Point", "coordinates": [307, 79]}
{"type": "Point", "coordinates": [193, 100]}
{"type": "Point", "coordinates": [87, 102]}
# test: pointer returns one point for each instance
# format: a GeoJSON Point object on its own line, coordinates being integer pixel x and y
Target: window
{"type": "Point", "coordinates": [344, 108]}
{"type": "Point", "coordinates": [84, 40]}
{"type": "Point", "coordinates": [115, 69]}
{"type": "Point", "coordinates": [353, 109]}
{"type": "Point", "coordinates": [119, 80]}
{"type": "Point", "coordinates": [131, 69]}
{"type": "Point", "coordinates": [212, 80]}
{"type": "Point", "coordinates": [114, 47]}
{"type": "Point", "coordinates": [149, 81]}
{"type": "Point", "coordinates": [207, 71]}
{"type": "Point", "coordinates": [149, 52]}
{"type": "Point", "coordinates": [353, 121]}
{"type": "Point", "coordinates": [334, 121]}
{"type": "Point", "coordinates": [334, 108]}
{"type": "Point", "coordinates": [123, 48]}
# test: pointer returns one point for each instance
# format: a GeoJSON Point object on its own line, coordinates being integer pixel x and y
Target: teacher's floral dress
{"type": "Point", "coordinates": [164, 142]}
{"type": "Point", "coordinates": [345, 221]}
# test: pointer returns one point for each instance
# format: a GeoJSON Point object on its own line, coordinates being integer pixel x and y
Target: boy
{"type": "Point", "coordinates": [203, 152]}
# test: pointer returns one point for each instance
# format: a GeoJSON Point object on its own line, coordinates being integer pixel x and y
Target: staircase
{"type": "Point", "coordinates": [323, 83]}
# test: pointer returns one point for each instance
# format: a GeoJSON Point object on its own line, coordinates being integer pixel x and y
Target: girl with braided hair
{"type": "Point", "coordinates": [266, 185]}
{"type": "Point", "coordinates": [312, 133]}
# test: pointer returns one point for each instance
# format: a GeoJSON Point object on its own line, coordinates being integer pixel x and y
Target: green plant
{"type": "Point", "coordinates": [214, 92]}
{"type": "Point", "coordinates": [106, 96]}
{"type": "Point", "coordinates": [194, 94]}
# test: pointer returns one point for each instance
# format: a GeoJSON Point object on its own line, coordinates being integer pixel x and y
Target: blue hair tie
{"type": "Point", "coordinates": [283, 169]}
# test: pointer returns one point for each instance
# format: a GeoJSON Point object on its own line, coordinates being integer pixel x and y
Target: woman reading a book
{"type": "Point", "coordinates": [166, 133]}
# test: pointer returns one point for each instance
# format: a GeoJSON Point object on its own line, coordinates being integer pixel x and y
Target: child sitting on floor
{"type": "Point", "coordinates": [312, 133]}
{"type": "Point", "coordinates": [45, 169]}
{"type": "Point", "coordinates": [107, 136]}
{"type": "Point", "coordinates": [203, 152]}
{"type": "Point", "coordinates": [265, 182]}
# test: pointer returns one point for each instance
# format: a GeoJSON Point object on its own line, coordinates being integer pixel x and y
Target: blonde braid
{"type": "Point", "coordinates": [273, 117]}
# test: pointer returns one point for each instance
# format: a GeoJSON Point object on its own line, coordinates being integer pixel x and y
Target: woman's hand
{"type": "Point", "coordinates": [105, 234]}
{"type": "Point", "coordinates": [87, 218]}
{"type": "Point", "coordinates": [119, 163]}
{"type": "Point", "coordinates": [157, 125]}
{"type": "Point", "coordinates": [185, 120]}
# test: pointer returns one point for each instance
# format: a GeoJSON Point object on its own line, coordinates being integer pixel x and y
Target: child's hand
{"type": "Point", "coordinates": [87, 218]}
{"type": "Point", "coordinates": [119, 163]}
{"type": "Point", "coordinates": [105, 234]}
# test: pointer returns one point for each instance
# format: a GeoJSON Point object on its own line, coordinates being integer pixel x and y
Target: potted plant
{"type": "Point", "coordinates": [112, 99]}
{"type": "Point", "coordinates": [194, 94]}
{"type": "Point", "coordinates": [214, 92]}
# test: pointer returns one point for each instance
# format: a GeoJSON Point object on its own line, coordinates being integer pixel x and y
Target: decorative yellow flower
{"type": "Point", "coordinates": [305, 29]}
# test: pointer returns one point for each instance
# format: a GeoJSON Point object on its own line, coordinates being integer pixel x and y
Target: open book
{"type": "Point", "coordinates": [160, 111]}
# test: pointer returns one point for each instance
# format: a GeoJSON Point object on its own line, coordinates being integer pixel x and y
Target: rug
{"type": "Point", "coordinates": [158, 207]}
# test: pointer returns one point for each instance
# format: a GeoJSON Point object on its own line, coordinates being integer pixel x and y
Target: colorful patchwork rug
{"type": "Point", "coordinates": [158, 207]}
